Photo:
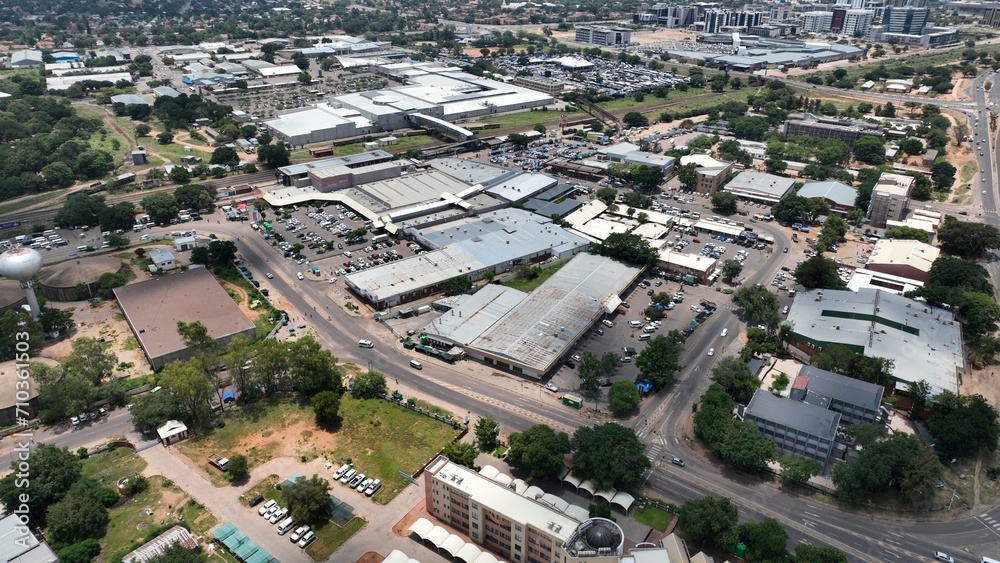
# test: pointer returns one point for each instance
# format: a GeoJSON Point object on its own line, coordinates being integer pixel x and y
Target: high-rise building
{"type": "Point", "coordinates": [890, 199]}
{"type": "Point", "coordinates": [991, 17]}
{"type": "Point", "coordinates": [603, 35]}
{"type": "Point", "coordinates": [720, 19]}
{"type": "Point", "coordinates": [908, 20]}
{"type": "Point", "coordinates": [817, 22]}
{"type": "Point", "coordinates": [857, 22]}
{"type": "Point", "coordinates": [839, 15]}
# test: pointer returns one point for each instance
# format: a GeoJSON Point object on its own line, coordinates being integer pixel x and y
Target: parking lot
{"type": "Point", "coordinates": [319, 242]}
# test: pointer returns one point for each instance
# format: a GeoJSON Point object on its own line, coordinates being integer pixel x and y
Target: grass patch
{"type": "Point", "coordinates": [130, 344]}
{"type": "Point", "coordinates": [402, 144]}
{"type": "Point", "coordinates": [107, 468]}
{"type": "Point", "coordinates": [266, 489]}
{"type": "Point", "coordinates": [527, 285]}
{"type": "Point", "coordinates": [381, 439]}
{"type": "Point", "coordinates": [329, 537]}
{"type": "Point", "coordinates": [653, 517]}
{"type": "Point", "coordinates": [500, 452]}
{"type": "Point", "coordinates": [174, 151]}
{"type": "Point", "coordinates": [22, 203]}
{"type": "Point", "coordinates": [918, 57]}
{"type": "Point", "coordinates": [133, 522]}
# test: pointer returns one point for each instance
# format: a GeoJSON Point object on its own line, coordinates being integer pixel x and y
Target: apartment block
{"type": "Point", "coordinates": [890, 199]}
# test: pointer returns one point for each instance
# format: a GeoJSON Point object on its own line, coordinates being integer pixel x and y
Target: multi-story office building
{"type": "Point", "coordinates": [857, 22]}
{"type": "Point", "coordinates": [603, 35]}
{"type": "Point", "coordinates": [991, 18]}
{"type": "Point", "coordinates": [817, 22]}
{"type": "Point", "coordinates": [829, 128]}
{"type": "Point", "coordinates": [890, 199]}
{"type": "Point", "coordinates": [550, 86]}
{"type": "Point", "coordinates": [857, 401]}
{"type": "Point", "coordinates": [796, 428]}
{"type": "Point", "coordinates": [839, 15]}
{"type": "Point", "coordinates": [907, 20]}
{"type": "Point", "coordinates": [668, 16]}
{"type": "Point", "coordinates": [719, 19]}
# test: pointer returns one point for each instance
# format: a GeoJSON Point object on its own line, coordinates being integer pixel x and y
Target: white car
{"type": "Point", "coordinates": [333, 280]}
{"type": "Point", "coordinates": [278, 516]}
{"type": "Point", "coordinates": [551, 387]}
{"type": "Point", "coordinates": [298, 533]}
{"type": "Point", "coordinates": [301, 277]}
{"type": "Point", "coordinates": [942, 556]}
{"type": "Point", "coordinates": [269, 276]}
{"type": "Point", "coordinates": [711, 351]}
{"type": "Point", "coordinates": [266, 507]}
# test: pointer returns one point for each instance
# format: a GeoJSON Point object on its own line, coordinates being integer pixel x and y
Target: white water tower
{"type": "Point", "coordinates": [22, 264]}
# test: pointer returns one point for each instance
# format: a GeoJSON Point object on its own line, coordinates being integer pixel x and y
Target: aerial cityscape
{"type": "Point", "coordinates": [592, 282]}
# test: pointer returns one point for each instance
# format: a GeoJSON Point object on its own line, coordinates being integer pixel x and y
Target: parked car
{"type": "Point", "coordinates": [256, 500]}
{"type": "Point", "coordinates": [551, 387]}
{"type": "Point", "coordinates": [356, 480]}
{"type": "Point", "coordinates": [267, 507]}
{"type": "Point", "coordinates": [375, 486]}
{"type": "Point", "coordinates": [298, 533]}
{"type": "Point", "coordinates": [307, 539]}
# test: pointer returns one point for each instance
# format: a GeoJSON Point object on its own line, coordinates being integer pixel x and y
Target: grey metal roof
{"type": "Point", "coordinates": [15, 545]}
{"type": "Point", "coordinates": [129, 99]}
{"type": "Point", "coordinates": [837, 192]}
{"type": "Point", "coordinates": [472, 172]}
{"type": "Point", "coordinates": [474, 314]}
{"type": "Point", "coordinates": [923, 341]}
{"type": "Point", "coordinates": [841, 387]}
{"type": "Point", "coordinates": [359, 158]}
{"type": "Point", "coordinates": [803, 417]}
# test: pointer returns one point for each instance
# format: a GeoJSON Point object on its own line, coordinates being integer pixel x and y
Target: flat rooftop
{"type": "Point", "coordinates": [543, 326]}
{"type": "Point", "coordinates": [924, 342]}
{"type": "Point", "coordinates": [791, 413]}
{"type": "Point", "coordinates": [474, 314]}
{"type": "Point", "coordinates": [153, 309]}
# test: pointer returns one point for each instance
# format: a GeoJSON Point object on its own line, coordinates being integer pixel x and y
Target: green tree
{"type": "Point", "coordinates": [943, 175]}
{"type": "Point", "coordinates": [195, 196]}
{"type": "Point", "coordinates": [367, 385]}
{"type": "Point", "coordinates": [519, 140]}
{"type": "Point", "coordinates": [734, 375]}
{"type": "Point", "coordinates": [870, 150]}
{"type": "Point", "coordinates": [766, 541]}
{"type": "Point", "coordinates": [180, 175]}
{"type": "Point", "coordinates": [688, 176]}
{"type": "Point", "coordinates": [743, 446]}
{"type": "Point", "coordinates": [456, 285]}
{"type": "Point", "coordinates": [238, 467]}
{"type": "Point", "coordinates": [907, 233]}
{"type": "Point", "coordinates": [966, 239]}
{"type": "Point", "coordinates": [911, 146]}
{"type": "Point", "coordinates": [190, 388]}
{"type": "Point", "coordinates": [540, 450]}
{"type": "Point", "coordinates": [759, 305]}
{"type": "Point", "coordinates": [880, 465]}
{"type": "Point", "coordinates": [627, 248]}
{"type": "Point", "coordinates": [610, 455]}
{"type": "Point", "coordinates": [77, 517]}
{"type": "Point", "coordinates": [607, 195]}
{"type": "Point", "coordinates": [308, 499]}
{"type": "Point", "coordinates": [81, 210]}
{"type": "Point", "coordinates": [117, 241]}
{"type": "Point", "coordinates": [487, 431]}
{"type": "Point", "coordinates": [635, 119]}
{"type": "Point", "coordinates": [165, 138]}
{"type": "Point", "coordinates": [623, 397]}
{"type": "Point", "coordinates": [142, 130]}
{"type": "Point", "coordinates": [659, 361]}
{"type": "Point", "coordinates": [326, 405]}
{"type": "Point", "coordinates": [225, 156]}
{"type": "Point", "coordinates": [540, 128]}
{"type": "Point", "coordinates": [62, 393]}
{"type": "Point", "coordinates": [94, 163]}
{"type": "Point", "coordinates": [58, 174]}
{"type": "Point", "coordinates": [819, 273]}
{"type": "Point", "coordinates": [731, 269]}
{"type": "Point", "coordinates": [808, 553]}
{"type": "Point", "coordinates": [90, 360]}
{"type": "Point", "coordinates": [724, 202]}
{"type": "Point", "coordinates": [709, 519]}
{"type": "Point", "coordinates": [313, 369]}
{"type": "Point", "coordinates": [118, 216]}
{"type": "Point", "coordinates": [53, 472]}
{"type": "Point", "coordinates": [152, 410]}
{"type": "Point", "coordinates": [274, 155]}
{"type": "Point", "coordinates": [161, 207]}
{"type": "Point", "coordinates": [647, 177]}
{"type": "Point", "coordinates": [462, 453]}
{"type": "Point", "coordinates": [798, 469]}
{"type": "Point", "coordinates": [775, 165]}
{"type": "Point", "coordinates": [963, 424]}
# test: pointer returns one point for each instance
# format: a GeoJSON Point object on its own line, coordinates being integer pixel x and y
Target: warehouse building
{"type": "Point", "coordinates": [298, 174]}
{"type": "Point", "coordinates": [839, 196]}
{"type": "Point", "coordinates": [341, 177]}
{"type": "Point", "coordinates": [759, 186]}
{"type": "Point", "coordinates": [536, 335]}
{"type": "Point", "coordinates": [695, 265]}
{"type": "Point", "coordinates": [882, 324]}
{"type": "Point", "coordinates": [909, 259]}
{"type": "Point", "coordinates": [496, 241]}
{"type": "Point", "coordinates": [153, 308]}
{"type": "Point", "coordinates": [429, 99]}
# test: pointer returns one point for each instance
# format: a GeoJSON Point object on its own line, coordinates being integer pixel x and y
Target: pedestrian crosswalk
{"type": "Point", "coordinates": [653, 452]}
{"type": "Point", "coordinates": [989, 521]}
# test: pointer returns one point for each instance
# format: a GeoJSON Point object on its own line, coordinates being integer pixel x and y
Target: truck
{"type": "Point", "coordinates": [218, 461]}
{"type": "Point", "coordinates": [379, 238]}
